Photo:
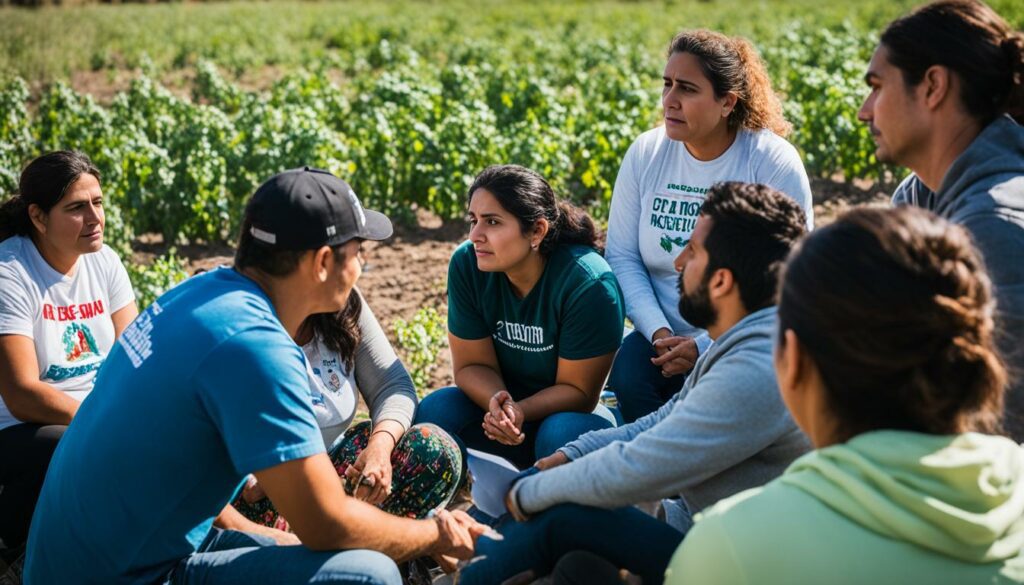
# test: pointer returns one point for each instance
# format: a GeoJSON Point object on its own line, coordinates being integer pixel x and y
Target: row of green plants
{"type": "Point", "coordinates": [410, 133]}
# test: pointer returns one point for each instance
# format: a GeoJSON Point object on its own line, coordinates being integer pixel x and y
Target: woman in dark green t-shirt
{"type": "Point", "coordinates": [534, 319]}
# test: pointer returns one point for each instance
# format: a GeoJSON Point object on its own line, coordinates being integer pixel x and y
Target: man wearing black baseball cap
{"type": "Point", "coordinates": [207, 386]}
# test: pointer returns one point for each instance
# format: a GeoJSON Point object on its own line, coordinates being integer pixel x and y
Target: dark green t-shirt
{"type": "Point", "coordinates": [575, 311]}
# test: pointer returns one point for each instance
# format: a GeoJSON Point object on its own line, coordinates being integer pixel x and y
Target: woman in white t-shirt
{"type": "Point", "coordinates": [64, 299]}
{"type": "Point", "coordinates": [721, 123]}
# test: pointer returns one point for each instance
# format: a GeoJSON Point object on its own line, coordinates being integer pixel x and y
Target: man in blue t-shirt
{"type": "Point", "coordinates": [206, 387]}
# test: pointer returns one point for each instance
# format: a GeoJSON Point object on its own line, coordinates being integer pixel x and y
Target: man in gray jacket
{"type": "Point", "coordinates": [725, 431]}
{"type": "Point", "coordinates": [944, 82]}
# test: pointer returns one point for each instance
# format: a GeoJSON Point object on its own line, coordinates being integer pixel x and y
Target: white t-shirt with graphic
{"type": "Point", "coordinates": [332, 390]}
{"type": "Point", "coordinates": [67, 317]}
{"type": "Point", "coordinates": [657, 198]}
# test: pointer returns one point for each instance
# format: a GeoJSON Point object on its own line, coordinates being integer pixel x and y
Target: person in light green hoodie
{"type": "Point", "coordinates": [885, 358]}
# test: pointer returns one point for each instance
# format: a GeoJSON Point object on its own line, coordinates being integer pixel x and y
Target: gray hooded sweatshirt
{"type": "Point", "coordinates": [725, 431]}
{"type": "Point", "coordinates": [983, 190]}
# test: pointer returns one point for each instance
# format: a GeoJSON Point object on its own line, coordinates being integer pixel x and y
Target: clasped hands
{"type": "Point", "coordinates": [504, 420]}
{"type": "Point", "coordinates": [676, 354]}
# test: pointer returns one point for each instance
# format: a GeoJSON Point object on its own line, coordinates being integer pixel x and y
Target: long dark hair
{"type": "Point", "coordinates": [732, 65]}
{"type": "Point", "coordinates": [528, 197]}
{"type": "Point", "coordinates": [895, 309]}
{"type": "Point", "coordinates": [973, 41]}
{"type": "Point", "coordinates": [340, 331]}
{"type": "Point", "coordinates": [43, 182]}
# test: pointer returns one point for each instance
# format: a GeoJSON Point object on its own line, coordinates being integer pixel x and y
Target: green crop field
{"type": "Point", "coordinates": [406, 100]}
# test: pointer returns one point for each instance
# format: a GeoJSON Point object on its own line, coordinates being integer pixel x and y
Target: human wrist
{"type": "Point", "coordinates": [513, 504]}
{"type": "Point", "coordinates": [382, 438]}
{"type": "Point", "coordinates": [661, 333]}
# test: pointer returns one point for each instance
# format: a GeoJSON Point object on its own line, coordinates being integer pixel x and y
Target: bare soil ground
{"type": "Point", "coordinates": [409, 271]}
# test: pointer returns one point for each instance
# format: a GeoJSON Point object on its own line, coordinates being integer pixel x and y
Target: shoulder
{"type": "Point", "coordinates": [648, 143]}
{"type": "Point", "coordinates": [13, 260]}
{"type": "Point", "coordinates": [463, 258]}
{"type": "Point", "coordinates": [583, 274]}
{"type": "Point", "coordinates": [766, 145]}
{"type": "Point", "coordinates": [104, 259]}
{"type": "Point", "coordinates": [580, 264]}
{"type": "Point", "coordinates": [12, 250]}
{"type": "Point", "coordinates": [462, 267]}
{"type": "Point", "coordinates": [226, 301]}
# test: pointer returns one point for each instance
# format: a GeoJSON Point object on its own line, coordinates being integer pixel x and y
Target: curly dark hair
{"type": "Point", "coordinates": [753, 228]}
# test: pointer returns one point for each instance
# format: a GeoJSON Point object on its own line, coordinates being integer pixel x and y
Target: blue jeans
{"type": "Point", "coordinates": [230, 557]}
{"type": "Point", "coordinates": [639, 386]}
{"type": "Point", "coordinates": [450, 409]}
{"type": "Point", "coordinates": [625, 537]}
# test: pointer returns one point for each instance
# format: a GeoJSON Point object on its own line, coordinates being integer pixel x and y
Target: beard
{"type": "Point", "coordinates": [696, 306]}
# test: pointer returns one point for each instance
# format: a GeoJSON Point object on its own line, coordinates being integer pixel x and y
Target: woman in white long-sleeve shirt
{"type": "Point", "coordinates": [721, 123]}
{"type": "Point", "coordinates": [405, 469]}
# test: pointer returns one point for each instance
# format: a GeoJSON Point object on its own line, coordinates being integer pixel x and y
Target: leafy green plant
{"type": "Point", "coordinates": [154, 279]}
{"type": "Point", "coordinates": [420, 341]}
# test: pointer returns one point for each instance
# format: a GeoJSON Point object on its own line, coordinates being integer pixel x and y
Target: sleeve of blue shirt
{"type": "Point", "coordinates": [255, 389]}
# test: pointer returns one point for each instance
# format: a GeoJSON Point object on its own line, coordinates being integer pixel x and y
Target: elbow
{"type": "Point", "coordinates": [19, 408]}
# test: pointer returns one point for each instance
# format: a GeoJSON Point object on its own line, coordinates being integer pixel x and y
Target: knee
{"type": "Point", "coordinates": [363, 566]}
{"type": "Point", "coordinates": [564, 427]}
{"type": "Point", "coordinates": [445, 407]}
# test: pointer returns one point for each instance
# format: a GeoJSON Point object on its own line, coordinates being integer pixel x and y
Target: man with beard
{"type": "Point", "coordinates": [726, 430]}
{"type": "Point", "coordinates": [946, 101]}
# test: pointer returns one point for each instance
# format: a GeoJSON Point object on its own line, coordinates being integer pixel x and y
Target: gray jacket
{"type": "Point", "coordinates": [983, 190]}
{"type": "Point", "coordinates": [726, 430]}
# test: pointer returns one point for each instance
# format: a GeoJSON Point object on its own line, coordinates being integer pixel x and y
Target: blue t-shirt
{"type": "Point", "coordinates": [201, 389]}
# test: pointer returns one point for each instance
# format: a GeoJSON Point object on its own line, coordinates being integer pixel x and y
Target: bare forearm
{"type": "Point", "coordinates": [558, 398]}
{"type": "Point", "coordinates": [368, 527]}
{"type": "Point", "coordinates": [40, 403]}
{"type": "Point", "coordinates": [231, 519]}
{"type": "Point", "coordinates": [479, 383]}
{"type": "Point", "coordinates": [385, 435]}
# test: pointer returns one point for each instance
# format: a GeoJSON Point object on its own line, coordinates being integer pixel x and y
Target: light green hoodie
{"type": "Point", "coordinates": [885, 507]}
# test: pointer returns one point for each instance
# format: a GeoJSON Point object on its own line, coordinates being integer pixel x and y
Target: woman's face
{"type": "Point", "coordinates": [73, 226]}
{"type": "Point", "coordinates": [692, 112]}
{"type": "Point", "coordinates": [497, 238]}
{"type": "Point", "coordinates": [348, 271]}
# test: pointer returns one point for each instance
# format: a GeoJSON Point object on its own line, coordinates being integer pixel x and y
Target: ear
{"type": "Point", "coordinates": [936, 85]}
{"type": "Point", "coordinates": [540, 231]}
{"type": "Point", "coordinates": [729, 103]}
{"type": "Point", "coordinates": [38, 216]}
{"type": "Point", "coordinates": [721, 283]}
{"type": "Point", "coordinates": [322, 260]}
{"type": "Point", "coordinates": [788, 362]}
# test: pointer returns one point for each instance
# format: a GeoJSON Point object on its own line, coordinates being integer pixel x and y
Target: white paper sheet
{"type": "Point", "coordinates": [492, 476]}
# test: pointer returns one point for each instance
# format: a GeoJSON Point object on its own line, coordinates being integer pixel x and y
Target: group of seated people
{"type": "Point", "coordinates": [839, 405]}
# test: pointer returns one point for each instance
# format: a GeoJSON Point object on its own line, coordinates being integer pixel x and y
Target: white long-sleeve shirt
{"type": "Point", "coordinates": [657, 198]}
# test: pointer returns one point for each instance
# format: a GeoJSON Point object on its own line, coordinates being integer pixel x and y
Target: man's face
{"type": "Point", "coordinates": [695, 303]}
{"type": "Point", "coordinates": [893, 112]}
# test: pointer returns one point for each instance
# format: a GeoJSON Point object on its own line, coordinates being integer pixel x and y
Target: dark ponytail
{"type": "Point", "coordinates": [973, 41]}
{"type": "Point", "coordinates": [43, 182]}
{"type": "Point", "coordinates": [528, 197]}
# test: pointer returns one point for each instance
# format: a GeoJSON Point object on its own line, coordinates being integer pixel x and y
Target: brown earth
{"type": "Point", "coordinates": [408, 271]}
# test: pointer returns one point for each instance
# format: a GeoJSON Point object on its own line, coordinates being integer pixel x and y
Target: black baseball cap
{"type": "Point", "coordinates": [303, 209]}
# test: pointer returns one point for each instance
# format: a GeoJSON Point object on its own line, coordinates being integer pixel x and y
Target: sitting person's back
{"type": "Point", "coordinates": [887, 361]}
